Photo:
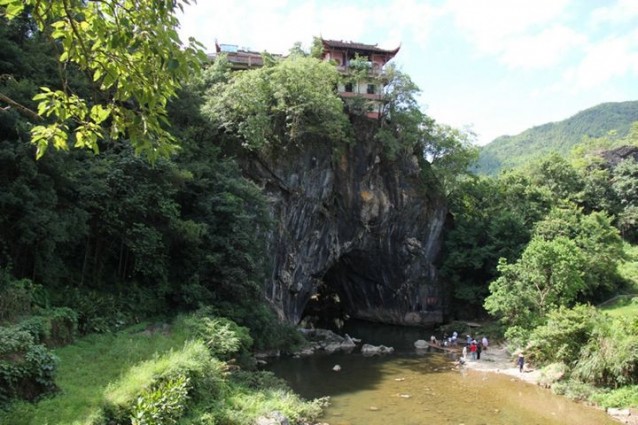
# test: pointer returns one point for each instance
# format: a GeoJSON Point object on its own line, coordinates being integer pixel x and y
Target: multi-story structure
{"type": "Point", "coordinates": [361, 64]}
{"type": "Point", "coordinates": [364, 64]}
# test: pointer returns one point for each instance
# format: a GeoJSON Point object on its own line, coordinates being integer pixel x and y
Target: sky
{"type": "Point", "coordinates": [494, 67]}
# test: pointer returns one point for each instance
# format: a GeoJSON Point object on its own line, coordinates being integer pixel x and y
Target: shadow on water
{"type": "Point", "coordinates": [314, 377]}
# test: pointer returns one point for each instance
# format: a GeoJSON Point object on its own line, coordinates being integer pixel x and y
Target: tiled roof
{"type": "Point", "coordinates": [340, 44]}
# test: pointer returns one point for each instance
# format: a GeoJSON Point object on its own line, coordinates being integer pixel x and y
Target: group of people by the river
{"type": "Point", "coordinates": [472, 346]}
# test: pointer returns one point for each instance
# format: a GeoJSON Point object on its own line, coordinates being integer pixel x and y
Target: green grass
{"type": "Point", "coordinates": [628, 269]}
{"type": "Point", "coordinates": [626, 305]}
{"type": "Point", "coordinates": [86, 369]}
{"type": "Point", "coordinates": [115, 376]}
{"type": "Point", "coordinates": [623, 306]}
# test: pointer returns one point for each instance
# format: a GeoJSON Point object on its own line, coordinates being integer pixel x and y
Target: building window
{"type": "Point", "coordinates": [372, 89]}
{"type": "Point", "coordinates": [349, 87]}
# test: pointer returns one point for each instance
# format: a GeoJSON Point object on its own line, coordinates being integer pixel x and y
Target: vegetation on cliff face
{"type": "Point", "coordinates": [612, 120]}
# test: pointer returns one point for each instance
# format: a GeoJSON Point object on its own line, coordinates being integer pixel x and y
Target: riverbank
{"type": "Point", "coordinates": [498, 360]}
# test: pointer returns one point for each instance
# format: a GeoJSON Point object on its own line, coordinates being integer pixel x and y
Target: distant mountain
{"type": "Point", "coordinates": [512, 151]}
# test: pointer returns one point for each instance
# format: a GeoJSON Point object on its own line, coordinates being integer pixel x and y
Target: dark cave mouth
{"type": "Point", "coordinates": [326, 309]}
{"type": "Point", "coordinates": [332, 304]}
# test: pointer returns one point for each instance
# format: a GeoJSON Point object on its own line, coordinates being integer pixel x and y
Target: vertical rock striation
{"type": "Point", "coordinates": [365, 226]}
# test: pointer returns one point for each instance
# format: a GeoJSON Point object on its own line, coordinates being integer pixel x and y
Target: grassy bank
{"type": "Point", "coordinates": [150, 371]}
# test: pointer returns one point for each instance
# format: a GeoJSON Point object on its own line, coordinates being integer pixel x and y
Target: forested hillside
{"type": "Point", "coordinates": [601, 120]}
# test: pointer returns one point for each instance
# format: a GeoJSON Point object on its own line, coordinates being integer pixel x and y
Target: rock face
{"type": "Point", "coordinates": [353, 223]}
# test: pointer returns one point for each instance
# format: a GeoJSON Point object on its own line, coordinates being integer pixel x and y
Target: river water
{"type": "Point", "coordinates": [409, 388]}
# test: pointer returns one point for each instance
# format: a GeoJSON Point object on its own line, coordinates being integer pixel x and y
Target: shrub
{"type": "Point", "coordinates": [611, 356]}
{"type": "Point", "coordinates": [161, 389]}
{"type": "Point", "coordinates": [27, 369]}
{"type": "Point", "coordinates": [563, 335]}
{"type": "Point", "coordinates": [15, 297]}
{"type": "Point", "coordinates": [622, 397]}
{"type": "Point", "coordinates": [162, 404]}
{"type": "Point", "coordinates": [573, 389]}
{"type": "Point", "coordinates": [54, 327]}
{"type": "Point", "coordinates": [267, 332]}
{"type": "Point", "coordinates": [222, 336]}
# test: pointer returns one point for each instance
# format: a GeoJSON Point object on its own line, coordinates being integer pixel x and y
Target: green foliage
{"type": "Point", "coordinates": [27, 369]}
{"type": "Point", "coordinates": [505, 152]}
{"type": "Point", "coordinates": [223, 337]}
{"type": "Point", "coordinates": [266, 330]}
{"type": "Point", "coordinates": [404, 128]}
{"type": "Point", "coordinates": [158, 389]}
{"type": "Point", "coordinates": [556, 175]}
{"type": "Point", "coordinates": [611, 356]}
{"type": "Point", "coordinates": [598, 240]}
{"type": "Point", "coordinates": [15, 297]}
{"type": "Point", "coordinates": [450, 152]}
{"type": "Point", "coordinates": [563, 335]}
{"type": "Point", "coordinates": [131, 52]}
{"type": "Point", "coordinates": [133, 375]}
{"type": "Point", "coordinates": [571, 256]}
{"type": "Point", "coordinates": [485, 229]}
{"type": "Point", "coordinates": [624, 183]}
{"type": "Point", "coordinates": [574, 390]}
{"type": "Point", "coordinates": [54, 327]}
{"type": "Point", "coordinates": [260, 394]}
{"type": "Point", "coordinates": [548, 275]}
{"type": "Point", "coordinates": [622, 397]}
{"type": "Point", "coordinates": [280, 105]}
{"type": "Point", "coordinates": [163, 403]}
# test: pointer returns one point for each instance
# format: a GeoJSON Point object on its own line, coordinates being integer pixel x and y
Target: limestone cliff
{"type": "Point", "coordinates": [364, 226]}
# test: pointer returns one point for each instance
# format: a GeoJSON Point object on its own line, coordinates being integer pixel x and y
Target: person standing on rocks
{"type": "Point", "coordinates": [478, 351]}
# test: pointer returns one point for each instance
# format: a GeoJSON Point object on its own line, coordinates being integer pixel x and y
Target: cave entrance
{"type": "Point", "coordinates": [342, 288]}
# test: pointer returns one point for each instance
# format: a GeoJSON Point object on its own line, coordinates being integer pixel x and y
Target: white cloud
{"type": "Point", "coordinates": [604, 60]}
{"type": "Point", "coordinates": [541, 50]}
{"type": "Point", "coordinates": [491, 25]}
{"type": "Point", "coordinates": [622, 11]}
{"type": "Point", "coordinates": [276, 25]}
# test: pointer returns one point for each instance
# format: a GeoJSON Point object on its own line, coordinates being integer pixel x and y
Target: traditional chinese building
{"type": "Point", "coordinates": [351, 58]}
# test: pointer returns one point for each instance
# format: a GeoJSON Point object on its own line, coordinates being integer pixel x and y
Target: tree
{"type": "Point", "coordinates": [549, 274]}
{"type": "Point", "coordinates": [451, 152]}
{"type": "Point", "coordinates": [278, 106]}
{"type": "Point", "coordinates": [598, 240]}
{"type": "Point", "coordinates": [557, 175]}
{"type": "Point", "coordinates": [130, 51]}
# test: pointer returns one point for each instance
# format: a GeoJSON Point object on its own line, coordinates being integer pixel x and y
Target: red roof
{"type": "Point", "coordinates": [350, 45]}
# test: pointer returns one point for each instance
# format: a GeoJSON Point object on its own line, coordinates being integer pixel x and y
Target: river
{"type": "Point", "coordinates": [406, 388]}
